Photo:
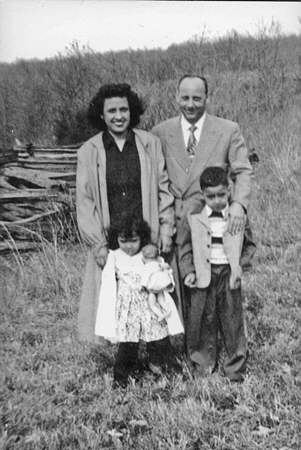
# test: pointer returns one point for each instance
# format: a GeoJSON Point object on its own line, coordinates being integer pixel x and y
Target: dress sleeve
{"type": "Point", "coordinates": [89, 218]}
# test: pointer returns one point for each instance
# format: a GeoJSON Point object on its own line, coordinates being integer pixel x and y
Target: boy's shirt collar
{"type": "Point", "coordinates": [224, 211]}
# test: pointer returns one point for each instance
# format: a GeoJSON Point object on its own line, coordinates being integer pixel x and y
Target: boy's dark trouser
{"type": "Point", "coordinates": [127, 357]}
{"type": "Point", "coordinates": [217, 308]}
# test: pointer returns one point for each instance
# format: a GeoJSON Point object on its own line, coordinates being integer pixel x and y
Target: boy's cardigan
{"type": "Point", "coordinates": [194, 241]}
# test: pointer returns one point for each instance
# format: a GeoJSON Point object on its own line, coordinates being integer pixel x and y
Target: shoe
{"type": "Point", "coordinates": [122, 383]}
{"type": "Point", "coordinates": [156, 370]}
{"type": "Point", "coordinates": [236, 378]}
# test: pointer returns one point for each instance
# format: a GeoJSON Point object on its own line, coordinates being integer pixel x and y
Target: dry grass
{"type": "Point", "coordinates": [56, 393]}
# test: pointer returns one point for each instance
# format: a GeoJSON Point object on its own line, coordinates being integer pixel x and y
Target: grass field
{"type": "Point", "coordinates": [56, 393]}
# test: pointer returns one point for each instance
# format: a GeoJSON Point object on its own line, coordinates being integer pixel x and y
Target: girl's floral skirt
{"type": "Point", "coordinates": [135, 320]}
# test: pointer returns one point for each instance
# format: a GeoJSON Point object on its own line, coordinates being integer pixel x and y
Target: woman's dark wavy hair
{"type": "Point", "coordinates": [126, 226]}
{"type": "Point", "coordinates": [95, 109]}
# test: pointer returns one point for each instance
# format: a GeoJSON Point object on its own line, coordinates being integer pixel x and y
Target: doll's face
{"type": "Point", "coordinates": [129, 245]}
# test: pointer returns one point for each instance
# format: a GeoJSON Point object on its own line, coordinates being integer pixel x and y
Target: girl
{"type": "Point", "coordinates": [124, 314]}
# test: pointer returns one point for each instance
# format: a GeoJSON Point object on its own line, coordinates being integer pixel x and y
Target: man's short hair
{"type": "Point", "coordinates": [213, 176]}
{"type": "Point", "coordinates": [188, 75]}
{"type": "Point", "coordinates": [96, 105]}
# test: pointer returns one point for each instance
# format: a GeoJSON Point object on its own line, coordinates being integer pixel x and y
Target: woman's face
{"type": "Point", "coordinates": [116, 114]}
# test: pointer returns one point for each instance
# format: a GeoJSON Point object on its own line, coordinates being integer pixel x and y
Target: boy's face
{"type": "Point", "coordinates": [216, 197]}
{"type": "Point", "coordinates": [130, 246]}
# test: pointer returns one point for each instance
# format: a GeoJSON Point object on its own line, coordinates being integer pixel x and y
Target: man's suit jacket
{"type": "Point", "coordinates": [221, 144]}
{"type": "Point", "coordinates": [194, 243]}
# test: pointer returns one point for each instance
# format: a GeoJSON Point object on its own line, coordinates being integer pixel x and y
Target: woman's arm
{"type": "Point", "coordinates": [89, 220]}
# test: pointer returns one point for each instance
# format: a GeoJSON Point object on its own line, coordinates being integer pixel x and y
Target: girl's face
{"type": "Point", "coordinates": [129, 245]}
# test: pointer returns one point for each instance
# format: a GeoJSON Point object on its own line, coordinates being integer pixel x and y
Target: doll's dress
{"type": "Point", "coordinates": [157, 278]}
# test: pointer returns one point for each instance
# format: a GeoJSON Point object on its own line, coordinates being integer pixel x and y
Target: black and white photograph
{"type": "Point", "coordinates": [150, 225]}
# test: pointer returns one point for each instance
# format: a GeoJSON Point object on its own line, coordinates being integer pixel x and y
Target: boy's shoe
{"type": "Point", "coordinates": [236, 378]}
{"type": "Point", "coordinates": [122, 383]}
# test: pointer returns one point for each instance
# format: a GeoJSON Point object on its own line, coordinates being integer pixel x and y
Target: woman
{"type": "Point", "coordinates": [120, 169]}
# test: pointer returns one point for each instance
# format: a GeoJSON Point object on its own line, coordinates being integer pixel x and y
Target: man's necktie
{"type": "Point", "coordinates": [191, 145]}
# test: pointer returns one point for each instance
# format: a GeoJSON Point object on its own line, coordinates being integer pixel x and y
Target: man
{"type": "Point", "coordinates": [195, 140]}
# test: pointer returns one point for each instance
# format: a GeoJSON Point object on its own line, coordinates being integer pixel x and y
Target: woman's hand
{"type": "Point", "coordinates": [100, 253]}
{"type": "Point", "coordinates": [190, 279]}
{"type": "Point", "coordinates": [165, 244]}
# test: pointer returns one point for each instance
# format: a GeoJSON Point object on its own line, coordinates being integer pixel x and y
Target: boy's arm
{"type": "Point", "coordinates": [184, 245]}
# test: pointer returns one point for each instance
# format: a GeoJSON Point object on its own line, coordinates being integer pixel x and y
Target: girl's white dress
{"type": "Point", "coordinates": [124, 313]}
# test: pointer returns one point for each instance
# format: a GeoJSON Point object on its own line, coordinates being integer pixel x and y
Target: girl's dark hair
{"type": "Point", "coordinates": [126, 226]}
{"type": "Point", "coordinates": [96, 105]}
{"type": "Point", "coordinates": [213, 176]}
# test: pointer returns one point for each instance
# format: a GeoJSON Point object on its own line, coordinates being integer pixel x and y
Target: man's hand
{"type": "Point", "coordinates": [100, 253]}
{"type": "Point", "coordinates": [189, 280]}
{"type": "Point", "coordinates": [237, 218]}
{"type": "Point", "coordinates": [235, 277]}
{"type": "Point", "coordinates": [165, 244]}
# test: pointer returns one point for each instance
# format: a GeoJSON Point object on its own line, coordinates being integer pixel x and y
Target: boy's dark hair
{"type": "Point", "coordinates": [213, 176]}
{"type": "Point", "coordinates": [96, 105]}
{"type": "Point", "coordinates": [127, 225]}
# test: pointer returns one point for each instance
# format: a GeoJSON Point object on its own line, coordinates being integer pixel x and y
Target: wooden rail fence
{"type": "Point", "coordinates": [37, 187]}
{"type": "Point", "coordinates": [37, 194]}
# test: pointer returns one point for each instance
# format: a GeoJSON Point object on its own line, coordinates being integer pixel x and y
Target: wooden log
{"type": "Point", "coordinates": [37, 195]}
{"type": "Point", "coordinates": [64, 167]}
{"type": "Point", "coordinates": [50, 160]}
{"type": "Point", "coordinates": [7, 157]}
{"type": "Point", "coordinates": [19, 175]}
{"type": "Point", "coordinates": [10, 225]}
{"type": "Point", "coordinates": [19, 194]}
{"type": "Point", "coordinates": [9, 246]}
{"type": "Point", "coordinates": [5, 184]}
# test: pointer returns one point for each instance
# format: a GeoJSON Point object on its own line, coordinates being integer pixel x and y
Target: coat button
{"type": "Point", "coordinates": [208, 260]}
{"type": "Point", "coordinates": [208, 245]}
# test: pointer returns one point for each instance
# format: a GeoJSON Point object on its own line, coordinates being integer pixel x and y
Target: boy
{"type": "Point", "coordinates": [211, 262]}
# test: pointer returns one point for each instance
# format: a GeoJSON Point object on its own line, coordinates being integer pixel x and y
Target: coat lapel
{"type": "Point", "coordinates": [199, 218]}
{"type": "Point", "coordinates": [145, 167]}
{"type": "Point", "coordinates": [202, 217]}
{"type": "Point", "coordinates": [205, 147]}
{"type": "Point", "coordinates": [176, 143]}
